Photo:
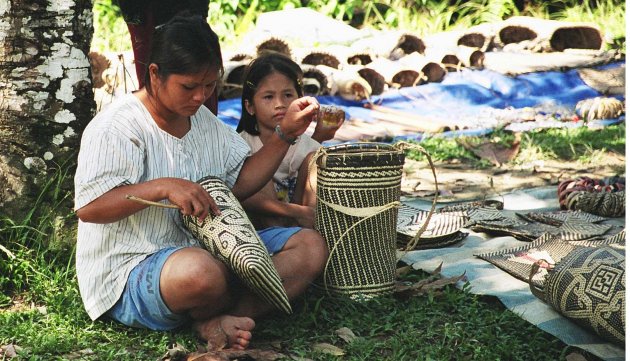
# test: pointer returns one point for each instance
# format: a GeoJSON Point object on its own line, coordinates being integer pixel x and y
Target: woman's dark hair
{"type": "Point", "coordinates": [257, 70]}
{"type": "Point", "coordinates": [184, 45]}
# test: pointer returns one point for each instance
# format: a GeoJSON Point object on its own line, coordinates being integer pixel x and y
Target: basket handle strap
{"type": "Point", "coordinates": [360, 212]}
{"type": "Point", "coordinates": [373, 211]}
{"type": "Point", "coordinates": [406, 146]}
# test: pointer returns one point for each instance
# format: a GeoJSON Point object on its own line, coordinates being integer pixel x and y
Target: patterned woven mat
{"type": "Point", "coordinates": [484, 278]}
{"type": "Point", "coordinates": [550, 248]}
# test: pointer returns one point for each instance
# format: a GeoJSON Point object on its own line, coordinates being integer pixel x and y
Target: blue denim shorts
{"type": "Point", "coordinates": [141, 304]}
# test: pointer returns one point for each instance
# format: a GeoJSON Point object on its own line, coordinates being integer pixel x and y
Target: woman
{"type": "Point", "coordinates": [137, 264]}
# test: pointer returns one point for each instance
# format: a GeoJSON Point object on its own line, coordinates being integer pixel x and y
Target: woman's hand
{"type": "Point", "coordinates": [300, 113]}
{"type": "Point", "coordinates": [191, 197]}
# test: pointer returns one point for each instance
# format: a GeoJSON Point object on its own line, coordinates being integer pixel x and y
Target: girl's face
{"type": "Point", "coordinates": [183, 94]}
{"type": "Point", "coordinates": [270, 101]}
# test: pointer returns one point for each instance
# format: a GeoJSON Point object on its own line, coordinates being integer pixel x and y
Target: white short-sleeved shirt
{"type": "Point", "coordinates": [285, 177]}
{"type": "Point", "coordinates": [123, 145]}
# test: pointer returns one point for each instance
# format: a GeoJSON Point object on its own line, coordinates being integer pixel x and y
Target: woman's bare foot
{"type": "Point", "coordinates": [226, 331]}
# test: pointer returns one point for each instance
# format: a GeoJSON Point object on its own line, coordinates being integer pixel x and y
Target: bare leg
{"type": "Point", "coordinates": [305, 189]}
{"type": "Point", "coordinates": [193, 281]}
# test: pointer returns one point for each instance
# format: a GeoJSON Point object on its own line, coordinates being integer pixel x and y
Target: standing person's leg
{"type": "Point", "coordinates": [141, 37]}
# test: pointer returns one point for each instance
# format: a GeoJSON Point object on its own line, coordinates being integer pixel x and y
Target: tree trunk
{"type": "Point", "coordinates": [46, 97]}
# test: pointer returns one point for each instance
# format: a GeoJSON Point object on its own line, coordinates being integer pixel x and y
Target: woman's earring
{"type": "Point", "coordinates": [256, 126]}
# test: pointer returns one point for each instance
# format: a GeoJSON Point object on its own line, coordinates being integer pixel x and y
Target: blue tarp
{"type": "Point", "coordinates": [472, 97]}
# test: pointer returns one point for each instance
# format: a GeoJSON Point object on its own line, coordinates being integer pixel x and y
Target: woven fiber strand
{"type": "Point", "coordinates": [232, 239]}
{"type": "Point", "coordinates": [588, 286]}
{"type": "Point", "coordinates": [358, 192]}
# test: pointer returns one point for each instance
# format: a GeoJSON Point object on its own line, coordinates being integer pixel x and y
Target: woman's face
{"type": "Point", "coordinates": [183, 94]}
{"type": "Point", "coordinates": [271, 100]}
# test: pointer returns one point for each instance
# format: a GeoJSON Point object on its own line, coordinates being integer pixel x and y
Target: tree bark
{"type": "Point", "coordinates": [46, 97]}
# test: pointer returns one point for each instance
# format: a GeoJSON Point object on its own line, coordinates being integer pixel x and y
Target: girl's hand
{"type": "Point", "coordinates": [300, 113]}
{"type": "Point", "coordinates": [191, 198]}
{"type": "Point", "coordinates": [305, 217]}
{"type": "Point", "coordinates": [329, 120]}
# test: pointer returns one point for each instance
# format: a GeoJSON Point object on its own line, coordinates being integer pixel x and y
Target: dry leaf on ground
{"type": "Point", "coordinates": [328, 349]}
{"type": "Point", "coordinates": [346, 334]}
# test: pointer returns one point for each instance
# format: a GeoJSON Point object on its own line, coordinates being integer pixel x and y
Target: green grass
{"type": "Point", "coordinates": [581, 144]}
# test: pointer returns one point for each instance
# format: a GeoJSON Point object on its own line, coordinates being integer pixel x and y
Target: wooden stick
{"type": "Point", "coordinates": [150, 203]}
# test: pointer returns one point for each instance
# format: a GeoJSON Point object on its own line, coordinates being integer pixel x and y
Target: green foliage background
{"type": "Point", "coordinates": [231, 19]}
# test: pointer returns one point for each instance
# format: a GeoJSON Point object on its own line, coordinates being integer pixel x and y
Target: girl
{"type": "Point", "coordinates": [271, 82]}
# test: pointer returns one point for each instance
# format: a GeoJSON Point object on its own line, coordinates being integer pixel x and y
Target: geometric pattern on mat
{"type": "Point", "coordinates": [550, 248]}
{"type": "Point", "coordinates": [443, 228]}
{"type": "Point", "coordinates": [588, 287]}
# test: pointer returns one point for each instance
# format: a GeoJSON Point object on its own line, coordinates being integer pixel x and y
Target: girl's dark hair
{"type": "Point", "coordinates": [184, 45]}
{"type": "Point", "coordinates": [257, 70]}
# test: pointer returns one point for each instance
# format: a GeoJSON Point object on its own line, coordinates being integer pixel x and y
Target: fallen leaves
{"type": "Point", "coordinates": [494, 152]}
{"type": "Point", "coordinates": [404, 290]}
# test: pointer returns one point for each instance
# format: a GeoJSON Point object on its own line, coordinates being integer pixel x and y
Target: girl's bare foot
{"type": "Point", "coordinates": [226, 331]}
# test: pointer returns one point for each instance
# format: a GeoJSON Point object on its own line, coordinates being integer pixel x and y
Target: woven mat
{"type": "Point", "coordinates": [549, 247]}
{"type": "Point", "coordinates": [484, 278]}
{"type": "Point", "coordinates": [443, 228]}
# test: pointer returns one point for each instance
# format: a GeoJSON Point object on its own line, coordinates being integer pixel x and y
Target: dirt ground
{"type": "Point", "coordinates": [462, 182]}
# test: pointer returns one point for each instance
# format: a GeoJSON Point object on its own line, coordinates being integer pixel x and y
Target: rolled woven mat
{"type": "Point", "coordinates": [358, 195]}
{"type": "Point", "coordinates": [603, 197]}
{"type": "Point", "coordinates": [588, 287]}
{"type": "Point", "coordinates": [232, 239]}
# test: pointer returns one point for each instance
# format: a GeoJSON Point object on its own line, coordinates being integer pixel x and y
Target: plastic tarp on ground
{"type": "Point", "coordinates": [469, 101]}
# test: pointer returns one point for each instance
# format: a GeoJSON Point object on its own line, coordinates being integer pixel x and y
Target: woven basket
{"type": "Point", "coordinates": [358, 192]}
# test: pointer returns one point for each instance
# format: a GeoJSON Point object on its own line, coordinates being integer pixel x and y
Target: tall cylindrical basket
{"type": "Point", "coordinates": [358, 194]}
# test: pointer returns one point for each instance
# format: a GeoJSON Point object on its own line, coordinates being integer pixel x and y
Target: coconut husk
{"type": "Point", "coordinates": [470, 57]}
{"type": "Point", "coordinates": [321, 58]}
{"type": "Point", "coordinates": [433, 72]}
{"type": "Point", "coordinates": [347, 84]}
{"type": "Point", "coordinates": [314, 81]}
{"type": "Point", "coordinates": [392, 44]}
{"type": "Point", "coordinates": [480, 36]}
{"type": "Point", "coordinates": [240, 57]}
{"type": "Point", "coordinates": [274, 44]}
{"type": "Point", "coordinates": [407, 44]}
{"type": "Point", "coordinates": [541, 35]}
{"type": "Point", "coordinates": [376, 80]}
{"type": "Point", "coordinates": [359, 58]}
{"type": "Point", "coordinates": [232, 81]}
{"type": "Point", "coordinates": [397, 74]}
